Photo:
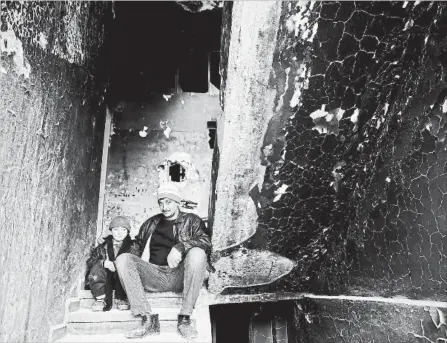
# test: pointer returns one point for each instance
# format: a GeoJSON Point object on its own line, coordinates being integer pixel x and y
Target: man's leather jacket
{"type": "Point", "coordinates": [189, 232]}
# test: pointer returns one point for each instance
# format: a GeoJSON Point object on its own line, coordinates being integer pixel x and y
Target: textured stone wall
{"type": "Point", "coordinates": [50, 152]}
{"type": "Point", "coordinates": [354, 152]}
{"type": "Point", "coordinates": [335, 321]}
{"type": "Point", "coordinates": [146, 134]}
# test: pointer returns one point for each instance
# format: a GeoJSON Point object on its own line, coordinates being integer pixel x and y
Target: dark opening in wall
{"type": "Point", "coordinates": [254, 322]}
{"type": "Point", "coordinates": [177, 173]}
{"type": "Point", "coordinates": [212, 127]}
{"type": "Point", "coordinates": [159, 47]}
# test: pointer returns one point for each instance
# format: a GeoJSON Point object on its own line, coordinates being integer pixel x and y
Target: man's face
{"type": "Point", "coordinates": [168, 207]}
{"type": "Point", "coordinates": [119, 233]}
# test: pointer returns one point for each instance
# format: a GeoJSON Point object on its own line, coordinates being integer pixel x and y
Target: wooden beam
{"type": "Point", "coordinates": [102, 186]}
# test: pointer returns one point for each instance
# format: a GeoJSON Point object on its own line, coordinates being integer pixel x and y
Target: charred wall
{"type": "Point", "coordinates": [52, 114]}
{"type": "Point", "coordinates": [336, 321]}
{"type": "Point", "coordinates": [364, 156]}
{"type": "Point", "coordinates": [355, 151]}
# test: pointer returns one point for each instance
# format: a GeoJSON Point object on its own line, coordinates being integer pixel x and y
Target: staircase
{"type": "Point", "coordinates": [84, 325]}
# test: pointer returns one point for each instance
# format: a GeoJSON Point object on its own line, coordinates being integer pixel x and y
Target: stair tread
{"type": "Point", "coordinates": [86, 315]}
{"type": "Point", "coordinates": [167, 337]}
{"type": "Point", "coordinates": [86, 294]}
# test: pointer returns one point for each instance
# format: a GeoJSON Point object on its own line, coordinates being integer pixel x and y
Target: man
{"type": "Point", "coordinates": [168, 254]}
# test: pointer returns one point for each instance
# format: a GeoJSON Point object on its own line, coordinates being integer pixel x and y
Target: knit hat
{"type": "Point", "coordinates": [120, 221]}
{"type": "Point", "coordinates": [170, 191]}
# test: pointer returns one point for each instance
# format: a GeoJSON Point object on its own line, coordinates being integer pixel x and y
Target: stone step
{"type": "Point", "coordinates": [85, 315]}
{"type": "Point", "coordinates": [175, 302]}
{"type": "Point", "coordinates": [85, 321]}
{"type": "Point", "coordinates": [96, 328]}
{"type": "Point", "coordinates": [86, 294]}
{"type": "Point", "coordinates": [162, 299]}
{"type": "Point", "coordinates": [82, 321]}
{"type": "Point", "coordinates": [113, 338]}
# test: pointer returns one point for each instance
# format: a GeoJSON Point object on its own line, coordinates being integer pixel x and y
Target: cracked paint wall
{"type": "Point", "coordinates": [335, 321]}
{"type": "Point", "coordinates": [354, 151]}
{"type": "Point", "coordinates": [51, 137]}
{"type": "Point", "coordinates": [145, 135]}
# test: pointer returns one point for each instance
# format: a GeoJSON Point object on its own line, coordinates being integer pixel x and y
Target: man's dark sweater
{"type": "Point", "coordinates": [162, 241]}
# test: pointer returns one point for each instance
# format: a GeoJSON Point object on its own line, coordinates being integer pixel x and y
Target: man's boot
{"type": "Point", "coordinates": [150, 326]}
{"type": "Point", "coordinates": [186, 327]}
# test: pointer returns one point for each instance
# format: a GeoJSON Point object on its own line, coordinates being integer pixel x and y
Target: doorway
{"type": "Point", "coordinates": [164, 101]}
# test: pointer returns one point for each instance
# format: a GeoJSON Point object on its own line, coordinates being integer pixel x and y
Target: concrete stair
{"type": "Point", "coordinates": [84, 325]}
{"type": "Point", "coordinates": [115, 338]}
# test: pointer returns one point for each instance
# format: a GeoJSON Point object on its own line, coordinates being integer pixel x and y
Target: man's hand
{"type": "Point", "coordinates": [109, 265]}
{"type": "Point", "coordinates": [174, 258]}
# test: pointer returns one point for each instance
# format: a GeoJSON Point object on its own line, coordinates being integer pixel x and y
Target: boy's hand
{"type": "Point", "coordinates": [109, 265]}
{"type": "Point", "coordinates": [174, 258]}
{"type": "Point", "coordinates": [101, 239]}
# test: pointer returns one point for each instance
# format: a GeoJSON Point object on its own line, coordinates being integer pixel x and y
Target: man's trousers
{"type": "Point", "coordinates": [138, 276]}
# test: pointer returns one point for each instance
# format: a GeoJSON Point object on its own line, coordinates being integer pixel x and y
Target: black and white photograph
{"type": "Point", "coordinates": [223, 171]}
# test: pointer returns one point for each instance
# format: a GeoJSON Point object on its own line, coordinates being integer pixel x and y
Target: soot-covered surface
{"type": "Point", "coordinates": [356, 195]}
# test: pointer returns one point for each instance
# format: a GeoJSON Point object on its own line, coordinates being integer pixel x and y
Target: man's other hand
{"type": "Point", "coordinates": [174, 258]}
{"type": "Point", "coordinates": [109, 265]}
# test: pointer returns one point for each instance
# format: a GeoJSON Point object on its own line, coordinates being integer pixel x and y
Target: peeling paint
{"type": "Point", "coordinates": [337, 174]}
{"type": "Point", "coordinates": [41, 40]}
{"type": "Point", "coordinates": [327, 122]}
{"type": "Point", "coordinates": [165, 127]}
{"type": "Point", "coordinates": [286, 88]}
{"type": "Point", "coordinates": [10, 45]}
{"type": "Point", "coordinates": [300, 21]}
{"type": "Point", "coordinates": [408, 24]}
{"type": "Point", "coordinates": [280, 191]}
{"type": "Point", "coordinates": [301, 83]}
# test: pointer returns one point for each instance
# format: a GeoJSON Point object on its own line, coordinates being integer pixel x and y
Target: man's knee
{"type": "Point", "coordinates": [123, 260]}
{"type": "Point", "coordinates": [196, 256]}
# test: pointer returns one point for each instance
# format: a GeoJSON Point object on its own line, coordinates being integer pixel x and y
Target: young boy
{"type": "Point", "coordinates": [101, 277]}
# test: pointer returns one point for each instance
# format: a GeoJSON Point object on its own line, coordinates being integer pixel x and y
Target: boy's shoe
{"type": "Point", "coordinates": [122, 305]}
{"type": "Point", "coordinates": [186, 328]}
{"type": "Point", "coordinates": [150, 326]}
{"type": "Point", "coordinates": [99, 305]}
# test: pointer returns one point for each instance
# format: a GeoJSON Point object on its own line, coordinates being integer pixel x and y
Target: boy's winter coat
{"type": "Point", "coordinates": [104, 252]}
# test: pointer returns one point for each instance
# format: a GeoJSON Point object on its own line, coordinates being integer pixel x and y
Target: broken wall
{"type": "Point", "coordinates": [344, 189]}
{"type": "Point", "coordinates": [149, 136]}
{"type": "Point", "coordinates": [50, 152]}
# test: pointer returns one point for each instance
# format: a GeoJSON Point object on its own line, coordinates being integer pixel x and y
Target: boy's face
{"type": "Point", "coordinates": [119, 233]}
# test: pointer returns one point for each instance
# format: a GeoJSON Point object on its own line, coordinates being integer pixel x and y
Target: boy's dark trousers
{"type": "Point", "coordinates": [103, 281]}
